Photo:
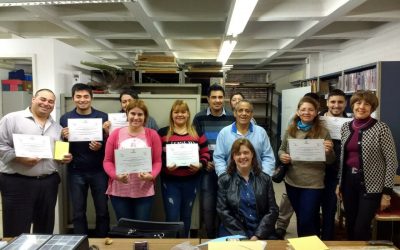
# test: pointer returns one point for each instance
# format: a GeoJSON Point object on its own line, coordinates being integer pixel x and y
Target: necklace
{"type": "Point", "coordinates": [362, 125]}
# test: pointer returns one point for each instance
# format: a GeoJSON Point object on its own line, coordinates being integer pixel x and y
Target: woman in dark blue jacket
{"type": "Point", "coordinates": [246, 200]}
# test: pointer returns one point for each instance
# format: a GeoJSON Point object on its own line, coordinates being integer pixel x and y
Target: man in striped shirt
{"type": "Point", "coordinates": [210, 121]}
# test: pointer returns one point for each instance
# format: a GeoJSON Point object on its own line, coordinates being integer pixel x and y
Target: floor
{"type": "Point", "coordinates": [291, 231]}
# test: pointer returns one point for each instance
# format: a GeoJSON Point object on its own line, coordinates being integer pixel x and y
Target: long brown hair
{"type": "Point", "coordinates": [180, 105]}
{"type": "Point", "coordinates": [317, 126]}
{"type": "Point", "coordinates": [235, 150]}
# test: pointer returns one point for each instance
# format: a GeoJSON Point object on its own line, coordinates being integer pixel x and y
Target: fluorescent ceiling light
{"type": "Point", "coordinates": [9, 3]}
{"type": "Point", "coordinates": [226, 50]}
{"type": "Point", "coordinates": [240, 16]}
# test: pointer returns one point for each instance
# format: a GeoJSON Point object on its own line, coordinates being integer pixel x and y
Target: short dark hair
{"type": "Point", "coordinates": [41, 90]}
{"type": "Point", "coordinates": [236, 93]}
{"type": "Point", "coordinates": [80, 87]}
{"type": "Point", "coordinates": [336, 92]}
{"type": "Point", "coordinates": [132, 93]}
{"type": "Point", "coordinates": [313, 95]}
{"type": "Point", "coordinates": [215, 87]}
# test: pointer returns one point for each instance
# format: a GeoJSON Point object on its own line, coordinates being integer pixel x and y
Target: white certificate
{"type": "Point", "coordinates": [334, 124]}
{"type": "Point", "coordinates": [32, 146]}
{"type": "Point", "coordinates": [133, 160]}
{"type": "Point", "coordinates": [182, 154]}
{"type": "Point", "coordinates": [90, 129]}
{"type": "Point", "coordinates": [307, 149]}
{"type": "Point", "coordinates": [118, 120]}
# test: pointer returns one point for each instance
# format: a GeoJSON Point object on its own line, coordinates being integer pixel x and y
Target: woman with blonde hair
{"type": "Point", "coordinates": [180, 183]}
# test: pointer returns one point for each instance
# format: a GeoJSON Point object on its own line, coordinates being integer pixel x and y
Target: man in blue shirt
{"type": "Point", "coordinates": [86, 169]}
{"type": "Point", "coordinates": [243, 128]}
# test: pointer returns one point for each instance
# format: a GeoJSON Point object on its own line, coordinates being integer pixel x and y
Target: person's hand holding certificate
{"type": "Point", "coordinates": [85, 129]}
{"type": "Point", "coordinates": [35, 146]}
{"type": "Point", "coordinates": [182, 154]}
{"type": "Point", "coordinates": [133, 160]}
{"type": "Point", "coordinates": [307, 149]}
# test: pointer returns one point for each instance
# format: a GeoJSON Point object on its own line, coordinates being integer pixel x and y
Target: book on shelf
{"type": "Point", "coordinates": [352, 82]}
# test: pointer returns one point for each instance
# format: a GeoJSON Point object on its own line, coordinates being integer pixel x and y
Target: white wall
{"type": "Point", "coordinates": [384, 46]}
{"type": "Point", "coordinates": [53, 64]}
{"type": "Point", "coordinates": [282, 81]}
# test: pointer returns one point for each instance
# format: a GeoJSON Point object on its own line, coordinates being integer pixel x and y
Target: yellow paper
{"type": "Point", "coordinates": [307, 243]}
{"type": "Point", "coordinates": [236, 245]}
{"type": "Point", "coordinates": [61, 148]}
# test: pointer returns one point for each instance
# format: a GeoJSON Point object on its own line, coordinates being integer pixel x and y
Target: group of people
{"type": "Point", "coordinates": [232, 175]}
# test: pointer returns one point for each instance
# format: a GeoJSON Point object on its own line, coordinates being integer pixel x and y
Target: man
{"type": "Point", "coordinates": [86, 169]}
{"type": "Point", "coordinates": [243, 128]}
{"type": "Point", "coordinates": [29, 186]}
{"type": "Point", "coordinates": [336, 104]}
{"type": "Point", "coordinates": [210, 121]}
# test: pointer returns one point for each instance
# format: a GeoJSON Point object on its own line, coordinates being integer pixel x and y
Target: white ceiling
{"type": "Point", "coordinates": [281, 34]}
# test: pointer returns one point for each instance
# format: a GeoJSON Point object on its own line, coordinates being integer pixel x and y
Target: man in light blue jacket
{"type": "Point", "coordinates": [239, 129]}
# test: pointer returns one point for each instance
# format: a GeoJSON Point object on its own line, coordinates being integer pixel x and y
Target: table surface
{"type": "Point", "coordinates": [167, 244]}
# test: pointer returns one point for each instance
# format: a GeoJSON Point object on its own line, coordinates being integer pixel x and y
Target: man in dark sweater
{"type": "Point", "coordinates": [86, 169]}
{"type": "Point", "coordinates": [336, 104]}
{"type": "Point", "coordinates": [210, 121]}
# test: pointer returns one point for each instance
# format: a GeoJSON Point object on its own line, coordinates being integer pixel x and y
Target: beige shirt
{"type": "Point", "coordinates": [305, 174]}
{"type": "Point", "coordinates": [22, 122]}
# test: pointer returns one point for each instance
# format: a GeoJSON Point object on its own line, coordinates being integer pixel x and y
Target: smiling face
{"type": "Point", "coordinates": [82, 100]}
{"type": "Point", "coordinates": [243, 158]}
{"type": "Point", "coordinates": [180, 117]}
{"type": "Point", "coordinates": [243, 113]}
{"type": "Point", "coordinates": [136, 118]}
{"type": "Point", "coordinates": [125, 100]}
{"type": "Point", "coordinates": [216, 101]}
{"type": "Point", "coordinates": [362, 109]}
{"type": "Point", "coordinates": [307, 112]}
{"type": "Point", "coordinates": [43, 103]}
{"type": "Point", "coordinates": [336, 105]}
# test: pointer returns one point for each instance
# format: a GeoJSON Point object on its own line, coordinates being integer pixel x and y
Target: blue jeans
{"type": "Point", "coordinates": [306, 203]}
{"type": "Point", "coordinates": [132, 208]}
{"type": "Point", "coordinates": [78, 184]}
{"type": "Point", "coordinates": [178, 197]}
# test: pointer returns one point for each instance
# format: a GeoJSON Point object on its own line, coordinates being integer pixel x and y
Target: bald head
{"type": "Point", "coordinates": [43, 103]}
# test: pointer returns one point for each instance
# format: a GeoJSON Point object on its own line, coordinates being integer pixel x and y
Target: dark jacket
{"type": "Point", "coordinates": [228, 205]}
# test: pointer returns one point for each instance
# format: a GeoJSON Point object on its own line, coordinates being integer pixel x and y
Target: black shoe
{"type": "Point", "coordinates": [280, 233]}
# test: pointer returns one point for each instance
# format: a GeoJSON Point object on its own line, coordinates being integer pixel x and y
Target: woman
{"type": "Point", "coordinates": [246, 199]}
{"type": "Point", "coordinates": [367, 166]}
{"type": "Point", "coordinates": [304, 180]}
{"type": "Point", "coordinates": [132, 194]}
{"type": "Point", "coordinates": [236, 97]}
{"type": "Point", "coordinates": [180, 183]}
{"type": "Point", "coordinates": [125, 97]}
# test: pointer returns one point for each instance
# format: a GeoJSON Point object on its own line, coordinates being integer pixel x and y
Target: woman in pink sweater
{"type": "Point", "coordinates": [132, 194]}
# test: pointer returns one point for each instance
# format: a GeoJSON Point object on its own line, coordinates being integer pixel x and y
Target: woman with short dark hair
{"type": "Point", "coordinates": [367, 166]}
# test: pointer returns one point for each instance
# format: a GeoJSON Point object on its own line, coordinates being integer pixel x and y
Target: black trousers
{"type": "Point", "coordinates": [26, 201]}
{"type": "Point", "coordinates": [360, 207]}
{"type": "Point", "coordinates": [208, 201]}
